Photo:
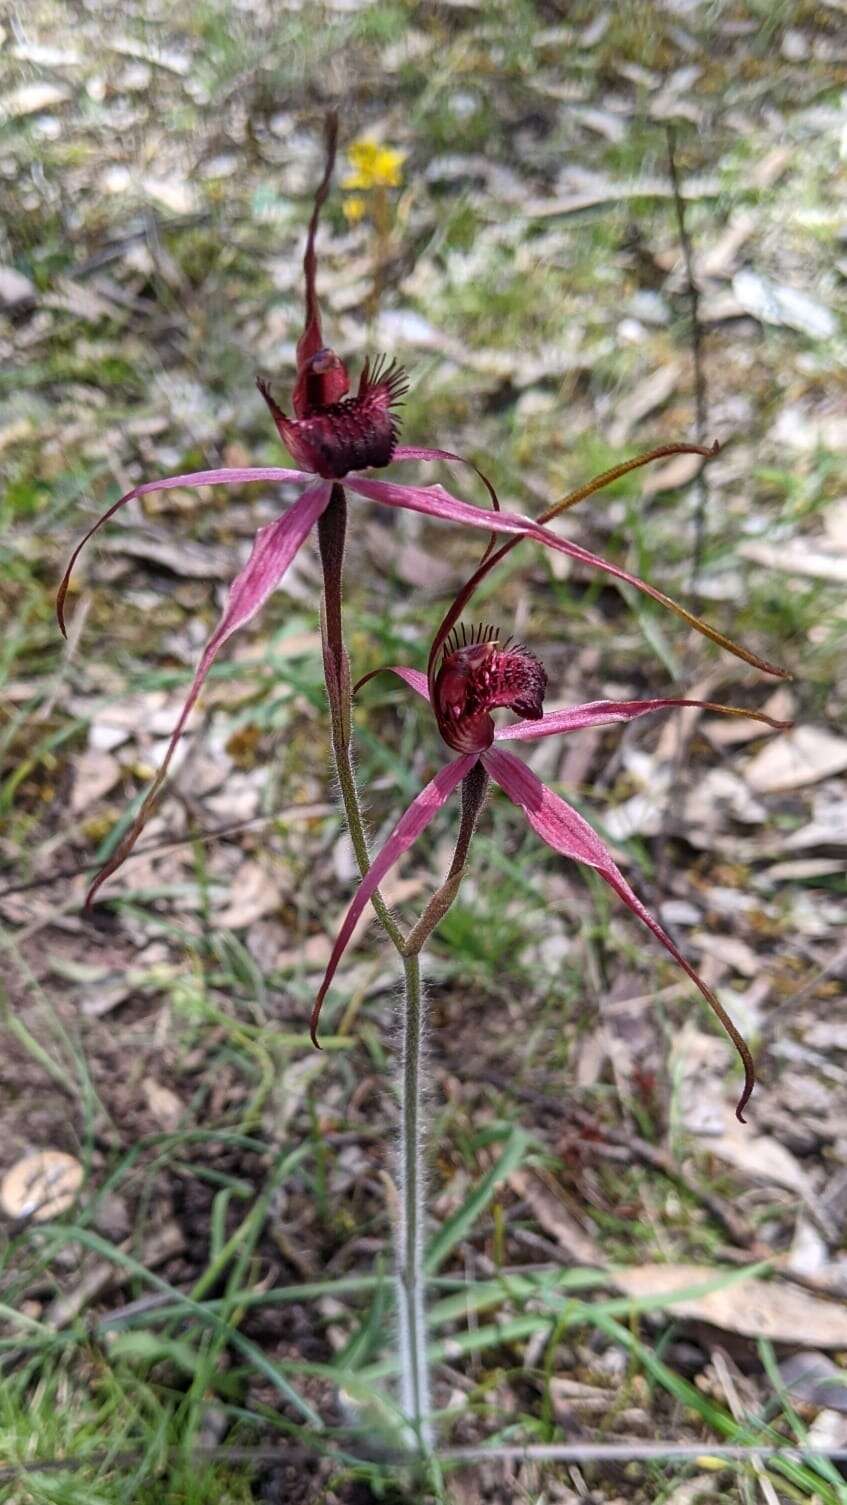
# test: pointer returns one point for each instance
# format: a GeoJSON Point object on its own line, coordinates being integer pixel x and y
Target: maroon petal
{"type": "Point", "coordinates": [194, 478]}
{"type": "Point", "coordinates": [563, 829]}
{"type": "Point", "coordinates": [311, 340]}
{"type": "Point", "coordinates": [405, 833]}
{"type": "Point", "coordinates": [415, 679]}
{"type": "Point", "coordinates": [414, 452]}
{"type": "Point", "coordinates": [273, 550]}
{"type": "Point", "coordinates": [436, 502]}
{"type": "Point", "coordinates": [604, 712]}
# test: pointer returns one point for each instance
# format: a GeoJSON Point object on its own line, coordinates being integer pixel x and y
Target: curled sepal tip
{"type": "Point", "coordinates": [568, 833]}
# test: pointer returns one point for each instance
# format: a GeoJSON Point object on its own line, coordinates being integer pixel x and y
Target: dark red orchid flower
{"type": "Point", "coordinates": [477, 674]}
{"type": "Point", "coordinates": [335, 436]}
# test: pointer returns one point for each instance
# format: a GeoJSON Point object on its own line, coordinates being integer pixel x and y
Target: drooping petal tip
{"type": "Point", "coordinates": [274, 548]}
{"type": "Point", "coordinates": [230, 476]}
{"type": "Point", "coordinates": [568, 833]}
{"type": "Point", "coordinates": [407, 830]}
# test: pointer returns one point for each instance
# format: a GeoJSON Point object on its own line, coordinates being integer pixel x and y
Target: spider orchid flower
{"type": "Point", "coordinates": [337, 437]}
{"type": "Point", "coordinates": [476, 674]}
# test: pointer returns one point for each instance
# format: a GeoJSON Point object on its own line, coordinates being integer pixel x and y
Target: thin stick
{"type": "Point", "coordinates": [626, 1452]}
{"type": "Point", "coordinates": [700, 390]}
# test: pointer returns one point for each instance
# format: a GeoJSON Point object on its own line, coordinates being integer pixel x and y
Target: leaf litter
{"type": "Point", "coordinates": [758, 842]}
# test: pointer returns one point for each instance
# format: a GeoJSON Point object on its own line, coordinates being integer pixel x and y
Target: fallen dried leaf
{"type": "Point", "coordinates": [552, 1214]}
{"type": "Point", "coordinates": [773, 303]}
{"type": "Point", "coordinates": [650, 394]}
{"type": "Point", "coordinates": [95, 773]}
{"type": "Point", "coordinates": [692, 1491]}
{"type": "Point", "coordinates": [173, 194]}
{"type": "Point", "coordinates": [165, 1106]}
{"type": "Point", "coordinates": [813, 1377]}
{"type": "Point", "coordinates": [759, 1156]}
{"type": "Point", "coordinates": [751, 1307]}
{"type": "Point", "coordinates": [803, 756]}
{"type": "Point", "coordinates": [40, 1186]}
{"type": "Point", "coordinates": [182, 556]}
{"type": "Point", "coordinates": [31, 99]}
{"type": "Point", "coordinates": [14, 286]}
{"type": "Point", "coordinates": [795, 557]}
{"type": "Point", "coordinates": [253, 893]}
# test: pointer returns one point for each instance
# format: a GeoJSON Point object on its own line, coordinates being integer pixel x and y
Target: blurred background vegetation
{"type": "Point", "coordinates": [209, 1319]}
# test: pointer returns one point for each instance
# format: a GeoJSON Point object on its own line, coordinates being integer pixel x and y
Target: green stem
{"type": "Point", "coordinates": [414, 1371]}
{"type": "Point", "coordinates": [474, 789]}
{"type": "Point", "coordinates": [414, 1377]}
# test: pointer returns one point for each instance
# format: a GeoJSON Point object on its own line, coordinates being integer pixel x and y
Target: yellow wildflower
{"type": "Point", "coordinates": [374, 166]}
{"type": "Point", "coordinates": [355, 208]}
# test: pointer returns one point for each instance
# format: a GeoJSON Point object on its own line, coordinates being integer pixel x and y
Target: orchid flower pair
{"type": "Point", "coordinates": [335, 436]}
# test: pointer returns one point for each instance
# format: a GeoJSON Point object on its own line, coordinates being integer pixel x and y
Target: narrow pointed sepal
{"type": "Point", "coordinates": [576, 718]}
{"type": "Point", "coordinates": [565, 830]}
{"type": "Point", "coordinates": [405, 833]}
{"type": "Point", "coordinates": [273, 550]}
{"type": "Point", "coordinates": [234, 477]}
{"type": "Point", "coordinates": [434, 501]}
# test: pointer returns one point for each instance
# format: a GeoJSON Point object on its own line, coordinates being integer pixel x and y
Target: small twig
{"type": "Point", "coordinates": [304, 811]}
{"type": "Point", "coordinates": [700, 391]}
{"type": "Point", "coordinates": [627, 1452]}
{"type": "Point", "coordinates": [587, 1452]}
{"type": "Point", "coordinates": [657, 1159]}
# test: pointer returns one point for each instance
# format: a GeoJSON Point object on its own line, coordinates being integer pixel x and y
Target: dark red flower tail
{"type": "Point", "coordinates": [311, 340]}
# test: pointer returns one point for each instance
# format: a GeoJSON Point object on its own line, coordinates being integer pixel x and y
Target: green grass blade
{"type": "Point", "coordinates": [460, 1223]}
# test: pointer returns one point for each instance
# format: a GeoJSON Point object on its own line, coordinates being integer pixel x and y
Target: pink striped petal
{"type": "Point", "coordinates": [414, 452]}
{"type": "Point", "coordinates": [273, 550]}
{"type": "Point", "coordinates": [193, 478]}
{"type": "Point", "coordinates": [563, 829]}
{"type": "Point", "coordinates": [436, 502]}
{"type": "Point", "coordinates": [414, 678]}
{"type": "Point", "coordinates": [604, 712]}
{"type": "Point", "coordinates": [405, 833]}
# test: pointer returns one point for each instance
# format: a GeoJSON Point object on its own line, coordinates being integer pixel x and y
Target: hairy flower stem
{"type": "Point", "coordinates": [414, 1373]}
{"type": "Point", "coordinates": [411, 1279]}
{"type": "Point", "coordinates": [414, 1370]}
{"type": "Point", "coordinates": [332, 530]}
